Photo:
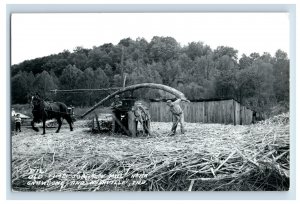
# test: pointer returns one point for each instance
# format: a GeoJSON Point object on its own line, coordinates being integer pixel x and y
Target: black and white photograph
{"type": "Point", "coordinates": [150, 102]}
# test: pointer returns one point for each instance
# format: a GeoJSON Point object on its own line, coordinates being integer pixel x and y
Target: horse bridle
{"type": "Point", "coordinates": [36, 104]}
{"type": "Point", "coordinates": [40, 105]}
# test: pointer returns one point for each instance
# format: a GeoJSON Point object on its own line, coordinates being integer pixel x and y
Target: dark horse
{"type": "Point", "coordinates": [43, 111]}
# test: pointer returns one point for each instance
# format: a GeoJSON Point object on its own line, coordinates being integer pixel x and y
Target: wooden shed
{"type": "Point", "coordinates": [227, 111]}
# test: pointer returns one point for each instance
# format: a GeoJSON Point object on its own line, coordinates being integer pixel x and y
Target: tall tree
{"type": "Point", "coordinates": [197, 49]}
{"type": "Point", "coordinates": [20, 87]}
{"type": "Point", "coordinates": [71, 78]}
{"type": "Point", "coordinates": [224, 50]}
{"type": "Point", "coordinates": [162, 49]}
{"type": "Point", "coordinates": [281, 74]}
{"type": "Point", "coordinates": [43, 83]}
{"type": "Point", "coordinates": [79, 57]}
{"type": "Point", "coordinates": [245, 62]}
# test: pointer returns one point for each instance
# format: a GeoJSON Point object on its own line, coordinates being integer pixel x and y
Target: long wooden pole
{"type": "Point", "coordinates": [124, 81]}
{"type": "Point", "coordinates": [83, 90]}
{"type": "Point", "coordinates": [122, 64]}
{"type": "Point", "coordinates": [171, 90]}
{"type": "Point", "coordinates": [121, 125]}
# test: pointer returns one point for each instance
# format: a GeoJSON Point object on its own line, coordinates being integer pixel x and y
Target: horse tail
{"type": "Point", "coordinates": [67, 115]}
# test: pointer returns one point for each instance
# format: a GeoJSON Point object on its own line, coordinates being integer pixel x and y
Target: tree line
{"type": "Point", "coordinates": [258, 81]}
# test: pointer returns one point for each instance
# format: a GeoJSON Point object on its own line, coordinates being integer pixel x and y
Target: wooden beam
{"type": "Point", "coordinates": [124, 80]}
{"type": "Point", "coordinates": [171, 90]}
{"type": "Point", "coordinates": [84, 90]}
{"type": "Point", "coordinates": [93, 125]}
{"type": "Point", "coordinates": [132, 123]}
{"type": "Point", "coordinates": [97, 122]}
{"type": "Point", "coordinates": [120, 124]}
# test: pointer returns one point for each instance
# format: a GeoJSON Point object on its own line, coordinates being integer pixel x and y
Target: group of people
{"type": "Point", "coordinates": [175, 109]}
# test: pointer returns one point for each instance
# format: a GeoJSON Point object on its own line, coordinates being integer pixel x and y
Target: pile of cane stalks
{"type": "Point", "coordinates": [209, 157]}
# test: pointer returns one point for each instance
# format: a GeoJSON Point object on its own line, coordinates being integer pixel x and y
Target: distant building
{"type": "Point", "coordinates": [224, 111]}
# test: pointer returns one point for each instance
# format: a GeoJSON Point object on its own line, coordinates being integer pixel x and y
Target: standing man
{"type": "Point", "coordinates": [18, 121]}
{"type": "Point", "coordinates": [177, 115]}
{"type": "Point", "coordinates": [117, 102]}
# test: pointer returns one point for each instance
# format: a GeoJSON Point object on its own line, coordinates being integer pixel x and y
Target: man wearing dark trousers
{"type": "Point", "coordinates": [177, 115]}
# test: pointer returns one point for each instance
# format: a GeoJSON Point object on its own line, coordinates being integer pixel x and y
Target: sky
{"type": "Point", "coordinates": [38, 35]}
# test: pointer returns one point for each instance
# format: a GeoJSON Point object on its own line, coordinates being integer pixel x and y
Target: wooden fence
{"type": "Point", "coordinates": [223, 111]}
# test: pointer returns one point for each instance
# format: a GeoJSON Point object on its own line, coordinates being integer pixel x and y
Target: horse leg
{"type": "Point", "coordinates": [142, 125]}
{"type": "Point", "coordinates": [44, 126]}
{"type": "Point", "coordinates": [146, 127]}
{"type": "Point", "coordinates": [33, 127]}
{"type": "Point", "coordinates": [59, 124]}
{"type": "Point", "coordinates": [69, 120]}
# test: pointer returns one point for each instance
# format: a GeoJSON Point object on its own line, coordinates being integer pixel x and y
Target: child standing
{"type": "Point", "coordinates": [18, 121]}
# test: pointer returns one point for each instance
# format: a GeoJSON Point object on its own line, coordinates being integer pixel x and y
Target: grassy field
{"type": "Point", "coordinates": [209, 157]}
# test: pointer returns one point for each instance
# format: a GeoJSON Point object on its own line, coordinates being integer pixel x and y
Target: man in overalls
{"type": "Point", "coordinates": [177, 116]}
{"type": "Point", "coordinates": [116, 104]}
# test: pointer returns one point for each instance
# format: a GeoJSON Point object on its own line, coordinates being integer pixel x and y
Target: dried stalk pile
{"type": "Point", "coordinates": [209, 157]}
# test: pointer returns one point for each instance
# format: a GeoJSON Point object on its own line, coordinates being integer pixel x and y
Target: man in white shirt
{"type": "Point", "coordinates": [177, 115]}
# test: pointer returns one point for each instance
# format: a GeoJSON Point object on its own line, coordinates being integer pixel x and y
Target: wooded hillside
{"type": "Point", "coordinates": [259, 82]}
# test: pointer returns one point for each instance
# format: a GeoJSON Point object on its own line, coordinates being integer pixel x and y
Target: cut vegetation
{"type": "Point", "coordinates": [209, 157]}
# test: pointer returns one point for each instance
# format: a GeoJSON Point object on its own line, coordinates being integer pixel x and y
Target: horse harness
{"type": "Point", "coordinates": [48, 107]}
{"type": "Point", "coordinates": [141, 114]}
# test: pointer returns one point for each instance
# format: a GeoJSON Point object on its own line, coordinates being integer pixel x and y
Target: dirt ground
{"type": "Point", "coordinates": [71, 152]}
{"type": "Point", "coordinates": [25, 142]}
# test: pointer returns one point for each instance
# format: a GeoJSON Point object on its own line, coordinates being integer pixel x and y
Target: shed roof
{"type": "Point", "coordinates": [198, 100]}
{"type": "Point", "coordinates": [13, 113]}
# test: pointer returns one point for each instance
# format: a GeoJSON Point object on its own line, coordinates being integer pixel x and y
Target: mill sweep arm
{"type": "Point", "coordinates": [171, 90]}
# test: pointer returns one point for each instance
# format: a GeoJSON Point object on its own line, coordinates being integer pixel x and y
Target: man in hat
{"type": "Point", "coordinates": [177, 115]}
{"type": "Point", "coordinates": [117, 102]}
